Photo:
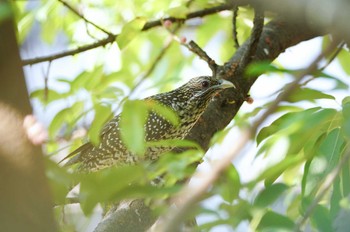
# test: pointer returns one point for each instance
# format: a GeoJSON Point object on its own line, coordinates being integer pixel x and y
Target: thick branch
{"type": "Point", "coordinates": [275, 38]}
{"type": "Point", "coordinates": [190, 196]}
{"type": "Point", "coordinates": [220, 112]}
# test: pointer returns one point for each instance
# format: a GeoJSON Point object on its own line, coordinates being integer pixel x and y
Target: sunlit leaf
{"type": "Point", "coordinates": [130, 31]}
{"type": "Point", "coordinates": [346, 116]}
{"type": "Point", "coordinates": [176, 166]}
{"type": "Point", "coordinates": [102, 186]}
{"type": "Point", "coordinates": [164, 111]}
{"type": "Point", "coordinates": [327, 157]}
{"type": "Point", "coordinates": [133, 119]}
{"type": "Point", "coordinates": [102, 114]}
{"type": "Point", "coordinates": [46, 96]}
{"type": "Point", "coordinates": [273, 172]}
{"type": "Point", "coordinates": [24, 26]}
{"type": "Point", "coordinates": [178, 12]}
{"type": "Point", "coordinates": [58, 121]}
{"type": "Point", "coordinates": [285, 121]}
{"type": "Point", "coordinates": [344, 60]}
{"type": "Point", "coordinates": [231, 184]}
{"type": "Point", "coordinates": [256, 69]}
{"type": "Point", "coordinates": [65, 117]}
{"type": "Point", "coordinates": [306, 94]}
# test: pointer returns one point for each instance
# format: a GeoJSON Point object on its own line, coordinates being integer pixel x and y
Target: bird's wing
{"type": "Point", "coordinates": [76, 155]}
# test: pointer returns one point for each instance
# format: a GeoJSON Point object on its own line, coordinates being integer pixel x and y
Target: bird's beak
{"type": "Point", "coordinates": [224, 84]}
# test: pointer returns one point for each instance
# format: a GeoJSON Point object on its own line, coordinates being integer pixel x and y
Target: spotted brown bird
{"type": "Point", "coordinates": [188, 102]}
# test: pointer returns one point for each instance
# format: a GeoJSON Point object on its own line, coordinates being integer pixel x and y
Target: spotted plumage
{"type": "Point", "coordinates": [188, 102]}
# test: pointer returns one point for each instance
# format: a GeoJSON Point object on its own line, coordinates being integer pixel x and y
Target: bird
{"type": "Point", "coordinates": [188, 102]}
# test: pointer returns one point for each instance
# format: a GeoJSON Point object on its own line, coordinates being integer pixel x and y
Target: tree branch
{"type": "Point", "coordinates": [194, 47]}
{"type": "Point", "coordinates": [189, 196]}
{"type": "Point", "coordinates": [234, 27]}
{"type": "Point", "coordinates": [112, 37]}
{"type": "Point", "coordinates": [71, 8]}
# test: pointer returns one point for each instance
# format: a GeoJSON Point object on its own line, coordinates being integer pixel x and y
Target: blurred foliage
{"type": "Point", "coordinates": [314, 137]}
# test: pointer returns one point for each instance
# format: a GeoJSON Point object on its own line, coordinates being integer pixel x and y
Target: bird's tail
{"type": "Point", "coordinates": [75, 156]}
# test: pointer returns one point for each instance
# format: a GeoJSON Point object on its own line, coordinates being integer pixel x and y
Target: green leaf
{"type": "Point", "coordinates": [58, 121]}
{"type": "Point", "coordinates": [178, 12]}
{"type": "Point", "coordinates": [346, 116]}
{"type": "Point", "coordinates": [60, 181]}
{"type": "Point", "coordinates": [103, 186]}
{"type": "Point", "coordinates": [164, 111]}
{"type": "Point", "coordinates": [339, 84]}
{"type": "Point", "coordinates": [130, 31]}
{"type": "Point", "coordinates": [285, 121]}
{"type": "Point", "coordinates": [272, 221]}
{"type": "Point", "coordinates": [273, 172]}
{"type": "Point", "coordinates": [321, 219]}
{"type": "Point", "coordinates": [341, 222]}
{"type": "Point", "coordinates": [79, 82]}
{"type": "Point", "coordinates": [258, 68]}
{"type": "Point", "coordinates": [300, 128]}
{"type": "Point", "coordinates": [46, 96]}
{"type": "Point", "coordinates": [102, 114]}
{"type": "Point", "coordinates": [67, 116]}
{"type": "Point", "coordinates": [175, 166]}
{"type": "Point", "coordinates": [24, 26]}
{"type": "Point", "coordinates": [133, 119]}
{"type": "Point", "coordinates": [336, 197]}
{"type": "Point", "coordinates": [306, 94]}
{"type": "Point", "coordinates": [231, 184]}
{"type": "Point", "coordinates": [174, 143]}
{"type": "Point", "coordinates": [344, 60]}
{"type": "Point", "coordinates": [95, 78]}
{"type": "Point", "coordinates": [327, 156]}
{"type": "Point", "coordinates": [270, 194]}
{"type": "Point", "coordinates": [242, 211]}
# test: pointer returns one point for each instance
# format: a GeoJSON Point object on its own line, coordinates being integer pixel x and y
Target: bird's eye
{"type": "Point", "coordinates": [205, 84]}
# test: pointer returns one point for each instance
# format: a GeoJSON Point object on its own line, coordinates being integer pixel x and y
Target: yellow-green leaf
{"type": "Point", "coordinates": [102, 114]}
{"type": "Point", "coordinates": [132, 121]}
{"type": "Point", "coordinates": [164, 111]}
{"type": "Point", "coordinates": [130, 31]}
{"type": "Point", "coordinates": [178, 12]}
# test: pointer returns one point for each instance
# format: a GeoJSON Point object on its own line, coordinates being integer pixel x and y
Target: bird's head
{"type": "Point", "coordinates": [194, 96]}
{"type": "Point", "coordinates": [199, 90]}
{"type": "Point", "coordinates": [206, 86]}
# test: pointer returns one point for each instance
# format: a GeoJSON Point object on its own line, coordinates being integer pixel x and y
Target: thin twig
{"type": "Point", "coordinates": [72, 9]}
{"type": "Point", "coordinates": [335, 54]}
{"type": "Point", "coordinates": [99, 43]}
{"type": "Point", "coordinates": [46, 83]}
{"type": "Point", "coordinates": [255, 36]}
{"type": "Point", "coordinates": [327, 183]}
{"type": "Point", "coordinates": [194, 47]}
{"type": "Point", "coordinates": [189, 196]}
{"type": "Point", "coordinates": [112, 37]}
{"type": "Point", "coordinates": [234, 27]}
{"type": "Point", "coordinates": [331, 59]}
